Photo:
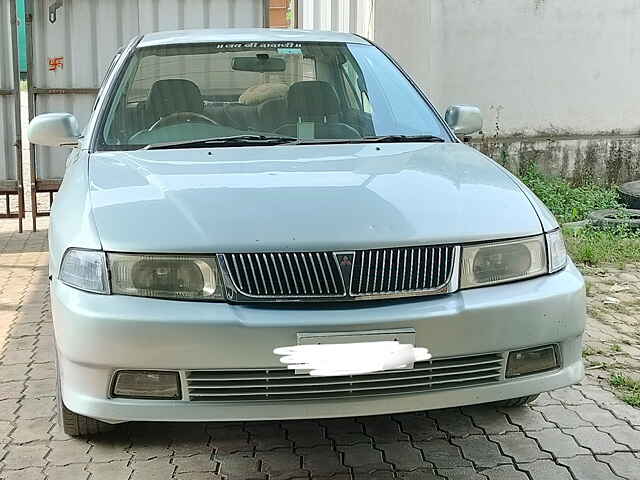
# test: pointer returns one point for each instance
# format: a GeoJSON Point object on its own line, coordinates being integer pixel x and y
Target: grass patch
{"type": "Point", "coordinates": [592, 246]}
{"type": "Point", "coordinates": [588, 245]}
{"type": "Point", "coordinates": [628, 388]}
{"type": "Point", "coordinates": [569, 203]}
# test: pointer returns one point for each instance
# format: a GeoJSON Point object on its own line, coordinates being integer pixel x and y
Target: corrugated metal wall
{"type": "Point", "coordinates": [338, 15]}
{"type": "Point", "coordinates": [74, 52]}
{"type": "Point", "coordinates": [8, 92]}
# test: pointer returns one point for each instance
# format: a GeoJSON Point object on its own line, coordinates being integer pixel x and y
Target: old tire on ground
{"type": "Point", "coordinates": [516, 402]}
{"type": "Point", "coordinates": [629, 194]}
{"type": "Point", "coordinates": [612, 217]}
{"type": "Point", "coordinates": [79, 426]}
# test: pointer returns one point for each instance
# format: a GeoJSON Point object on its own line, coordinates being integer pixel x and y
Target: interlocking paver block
{"type": "Point", "coordinates": [490, 420]}
{"type": "Point", "coordinates": [41, 388]}
{"type": "Point", "coordinates": [41, 371]}
{"type": "Point", "coordinates": [558, 443]}
{"type": "Point", "coordinates": [383, 429]}
{"type": "Point", "coordinates": [588, 468]}
{"type": "Point", "coordinates": [454, 422]}
{"type": "Point", "coordinates": [109, 471]}
{"type": "Point", "coordinates": [150, 446]}
{"type": "Point", "coordinates": [545, 399]}
{"type": "Point", "coordinates": [31, 408]}
{"type": "Point", "coordinates": [442, 453]}
{"type": "Point", "coordinates": [504, 472]}
{"type": "Point", "coordinates": [419, 426]}
{"type": "Point", "coordinates": [623, 464]}
{"type": "Point", "coordinates": [109, 447]}
{"type": "Point", "coordinates": [68, 472]}
{"type": "Point", "coordinates": [570, 396]}
{"type": "Point", "coordinates": [363, 458]}
{"type": "Point", "coordinates": [403, 456]}
{"type": "Point", "coordinates": [10, 390]}
{"type": "Point", "coordinates": [481, 451]}
{"type": "Point", "coordinates": [594, 440]}
{"type": "Point", "coordinates": [31, 473]}
{"type": "Point", "coordinates": [64, 452]}
{"type": "Point", "coordinates": [267, 436]}
{"type": "Point", "coordinates": [230, 439]}
{"type": "Point", "coordinates": [628, 414]}
{"type": "Point", "coordinates": [196, 463]}
{"type": "Point", "coordinates": [282, 464]}
{"type": "Point", "coordinates": [30, 430]}
{"type": "Point", "coordinates": [547, 469]}
{"type": "Point", "coordinates": [419, 474]}
{"type": "Point", "coordinates": [321, 461]}
{"type": "Point", "coordinates": [625, 435]}
{"type": "Point", "coordinates": [240, 466]}
{"type": "Point", "coordinates": [461, 473]}
{"type": "Point", "coordinates": [157, 469]}
{"type": "Point", "coordinates": [527, 419]}
{"type": "Point", "coordinates": [344, 431]}
{"type": "Point", "coordinates": [562, 416]}
{"type": "Point", "coordinates": [599, 395]}
{"type": "Point", "coordinates": [596, 415]}
{"type": "Point", "coordinates": [305, 433]}
{"type": "Point", "coordinates": [8, 409]}
{"type": "Point", "coordinates": [520, 447]}
{"type": "Point", "coordinates": [23, 456]}
{"type": "Point", "coordinates": [16, 357]}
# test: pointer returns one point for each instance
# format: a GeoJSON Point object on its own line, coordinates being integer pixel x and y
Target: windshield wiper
{"type": "Point", "coordinates": [403, 138]}
{"type": "Point", "coordinates": [233, 141]}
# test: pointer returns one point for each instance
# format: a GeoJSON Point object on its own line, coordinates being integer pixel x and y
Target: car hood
{"type": "Point", "coordinates": [306, 197]}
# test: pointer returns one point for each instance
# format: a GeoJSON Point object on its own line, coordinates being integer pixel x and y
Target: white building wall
{"type": "Point", "coordinates": [533, 66]}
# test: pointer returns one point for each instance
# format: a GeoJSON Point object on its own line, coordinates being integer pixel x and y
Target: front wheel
{"type": "Point", "coordinates": [80, 426]}
{"type": "Point", "coordinates": [516, 402]}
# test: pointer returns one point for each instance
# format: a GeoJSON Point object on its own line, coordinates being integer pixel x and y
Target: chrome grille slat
{"type": "Point", "coordinates": [385, 271]}
{"type": "Point", "coordinates": [284, 384]}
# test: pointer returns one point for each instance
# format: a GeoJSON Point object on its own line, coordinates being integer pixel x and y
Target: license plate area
{"type": "Point", "coordinates": [401, 335]}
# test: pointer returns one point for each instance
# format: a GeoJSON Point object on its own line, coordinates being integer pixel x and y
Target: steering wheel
{"type": "Point", "coordinates": [182, 117]}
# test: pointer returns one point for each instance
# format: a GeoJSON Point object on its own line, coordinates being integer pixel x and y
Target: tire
{"type": "Point", "coordinates": [516, 402]}
{"type": "Point", "coordinates": [73, 424]}
{"type": "Point", "coordinates": [615, 217]}
{"type": "Point", "coordinates": [80, 426]}
{"type": "Point", "coordinates": [629, 194]}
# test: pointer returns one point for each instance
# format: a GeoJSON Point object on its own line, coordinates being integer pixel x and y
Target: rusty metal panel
{"type": "Point", "coordinates": [70, 55]}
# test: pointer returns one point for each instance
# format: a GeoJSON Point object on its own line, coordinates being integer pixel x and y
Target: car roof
{"type": "Point", "coordinates": [246, 35]}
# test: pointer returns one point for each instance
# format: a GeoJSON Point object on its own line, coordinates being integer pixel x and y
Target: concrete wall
{"type": "Point", "coordinates": [552, 66]}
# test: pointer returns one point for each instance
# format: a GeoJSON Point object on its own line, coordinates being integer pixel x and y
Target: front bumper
{"type": "Point", "coordinates": [97, 335]}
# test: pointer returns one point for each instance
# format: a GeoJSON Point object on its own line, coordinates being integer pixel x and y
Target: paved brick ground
{"type": "Point", "coordinates": [579, 433]}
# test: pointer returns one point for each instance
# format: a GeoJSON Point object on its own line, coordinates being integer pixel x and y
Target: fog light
{"type": "Point", "coordinates": [532, 360]}
{"type": "Point", "coordinates": [147, 384]}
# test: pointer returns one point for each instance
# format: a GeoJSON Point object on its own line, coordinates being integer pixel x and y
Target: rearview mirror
{"type": "Point", "coordinates": [464, 119]}
{"type": "Point", "coordinates": [262, 63]}
{"type": "Point", "coordinates": [54, 130]}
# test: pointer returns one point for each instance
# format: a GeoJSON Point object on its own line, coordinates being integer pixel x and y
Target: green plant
{"type": "Point", "coordinates": [616, 348]}
{"type": "Point", "coordinates": [629, 388]}
{"type": "Point", "coordinates": [593, 246]}
{"type": "Point", "coordinates": [569, 203]}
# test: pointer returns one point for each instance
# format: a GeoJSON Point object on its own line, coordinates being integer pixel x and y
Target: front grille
{"type": "Point", "coordinates": [283, 384]}
{"type": "Point", "coordinates": [396, 270]}
{"type": "Point", "coordinates": [286, 274]}
{"type": "Point", "coordinates": [366, 273]}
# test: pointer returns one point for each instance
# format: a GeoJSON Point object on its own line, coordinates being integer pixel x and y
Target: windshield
{"type": "Point", "coordinates": [302, 90]}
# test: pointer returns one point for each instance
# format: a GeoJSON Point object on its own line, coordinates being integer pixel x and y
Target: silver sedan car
{"type": "Point", "coordinates": [238, 191]}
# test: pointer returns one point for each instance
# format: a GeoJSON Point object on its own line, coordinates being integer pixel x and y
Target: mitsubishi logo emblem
{"type": "Point", "coordinates": [345, 261]}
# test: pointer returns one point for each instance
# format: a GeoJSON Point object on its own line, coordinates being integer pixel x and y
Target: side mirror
{"type": "Point", "coordinates": [464, 119]}
{"type": "Point", "coordinates": [54, 130]}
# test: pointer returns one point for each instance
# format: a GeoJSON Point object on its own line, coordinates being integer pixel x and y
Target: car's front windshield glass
{"type": "Point", "coordinates": [308, 91]}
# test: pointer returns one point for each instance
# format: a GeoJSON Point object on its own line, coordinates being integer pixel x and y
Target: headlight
{"type": "Point", "coordinates": [165, 276]}
{"type": "Point", "coordinates": [85, 269]}
{"type": "Point", "coordinates": [557, 251]}
{"type": "Point", "coordinates": [498, 262]}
